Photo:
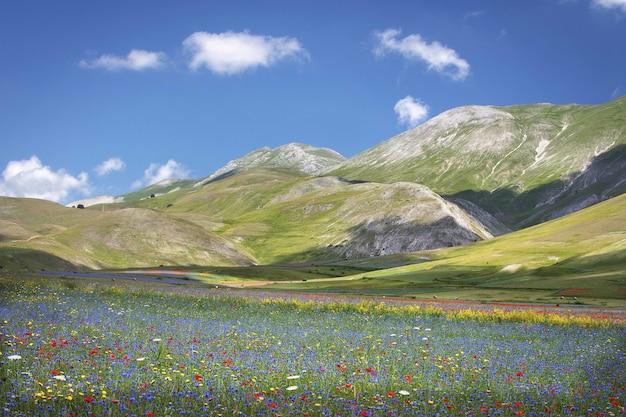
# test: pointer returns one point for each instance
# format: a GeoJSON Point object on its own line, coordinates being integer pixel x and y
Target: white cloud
{"type": "Point", "coordinates": [610, 4]}
{"type": "Point", "coordinates": [410, 111]}
{"type": "Point", "coordinates": [439, 57]}
{"type": "Point", "coordinates": [30, 178]}
{"type": "Point", "coordinates": [231, 53]}
{"type": "Point", "coordinates": [157, 173]}
{"type": "Point", "coordinates": [110, 165]}
{"type": "Point", "coordinates": [136, 60]}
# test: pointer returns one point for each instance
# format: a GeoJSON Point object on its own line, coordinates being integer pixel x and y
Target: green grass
{"type": "Point", "coordinates": [580, 255]}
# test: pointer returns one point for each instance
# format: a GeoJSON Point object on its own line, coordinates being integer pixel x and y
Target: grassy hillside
{"type": "Point", "coordinates": [511, 161]}
{"type": "Point", "coordinates": [582, 255]}
{"type": "Point", "coordinates": [256, 216]}
{"type": "Point", "coordinates": [69, 238]}
{"type": "Point", "coordinates": [375, 229]}
{"type": "Point", "coordinates": [284, 216]}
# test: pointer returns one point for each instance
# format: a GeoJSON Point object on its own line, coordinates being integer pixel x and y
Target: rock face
{"type": "Point", "coordinates": [304, 158]}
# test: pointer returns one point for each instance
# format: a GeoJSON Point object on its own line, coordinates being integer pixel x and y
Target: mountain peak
{"type": "Point", "coordinates": [308, 159]}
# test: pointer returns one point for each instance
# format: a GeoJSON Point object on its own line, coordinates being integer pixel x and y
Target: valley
{"type": "Point", "coordinates": [519, 203]}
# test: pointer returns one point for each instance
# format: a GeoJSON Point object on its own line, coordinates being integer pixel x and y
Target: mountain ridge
{"type": "Point", "coordinates": [483, 171]}
{"type": "Point", "coordinates": [520, 149]}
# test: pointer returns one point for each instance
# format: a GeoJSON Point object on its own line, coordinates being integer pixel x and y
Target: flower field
{"type": "Point", "coordinates": [86, 351]}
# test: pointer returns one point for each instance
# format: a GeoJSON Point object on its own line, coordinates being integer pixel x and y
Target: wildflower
{"type": "Point", "coordinates": [403, 392]}
{"type": "Point", "coordinates": [198, 378]}
{"type": "Point", "coordinates": [291, 388]}
{"type": "Point", "coordinates": [293, 377]}
{"type": "Point", "coordinates": [14, 357]}
{"type": "Point", "coordinates": [59, 377]}
{"type": "Point", "coordinates": [88, 399]}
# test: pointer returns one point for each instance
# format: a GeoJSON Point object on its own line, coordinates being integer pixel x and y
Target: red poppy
{"type": "Point", "coordinates": [198, 378]}
{"type": "Point", "coordinates": [89, 399]}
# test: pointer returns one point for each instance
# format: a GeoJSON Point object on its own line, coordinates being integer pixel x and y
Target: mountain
{"type": "Point", "coordinates": [579, 255]}
{"type": "Point", "coordinates": [304, 158]}
{"type": "Point", "coordinates": [467, 175]}
{"type": "Point", "coordinates": [250, 217]}
{"type": "Point", "coordinates": [523, 164]}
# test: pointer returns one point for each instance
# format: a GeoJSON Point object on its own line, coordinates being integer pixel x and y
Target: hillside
{"type": "Point", "coordinates": [40, 234]}
{"type": "Point", "coordinates": [523, 164]}
{"type": "Point", "coordinates": [469, 174]}
{"type": "Point", "coordinates": [578, 256]}
{"type": "Point", "coordinates": [285, 216]}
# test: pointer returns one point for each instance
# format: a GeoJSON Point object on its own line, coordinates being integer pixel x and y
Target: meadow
{"type": "Point", "coordinates": [73, 349]}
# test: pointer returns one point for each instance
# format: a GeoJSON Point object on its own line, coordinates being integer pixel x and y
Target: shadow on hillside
{"type": "Point", "coordinates": [389, 236]}
{"type": "Point", "coordinates": [221, 177]}
{"type": "Point", "coordinates": [604, 178]}
{"type": "Point", "coordinates": [31, 259]}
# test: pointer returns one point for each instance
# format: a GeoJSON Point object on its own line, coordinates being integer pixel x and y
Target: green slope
{"type": "Point", "coordinates": [284, 216]}
{"type": "Point", "coordinates": [511, 161]}
{"type": "Point", "coordinates": [582, 255]}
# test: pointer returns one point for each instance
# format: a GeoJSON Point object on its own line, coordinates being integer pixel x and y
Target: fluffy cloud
{"type": "Point", "coordinates": [30, 178]}
{"type": "Point", "coordinates": [610, 4]}
{"type": "Point", "coordinates": [410, 111]}
{"type": "Point", "coordinates": [157, 173]}
{"type": "Point", "coordinates": [136, 60]}
{"type": "Point", "coordinates": [110, 165]}
{"type": "Point", "coordinates": [439, 57]}
{"type": "Point", "coordinates": [231, 53]}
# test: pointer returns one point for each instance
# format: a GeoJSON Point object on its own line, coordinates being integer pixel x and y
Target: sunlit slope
{"type": "Point", "coordinates": [524, 164]}
{"type": "Point", "coordinates": [140, 237]}
{"type": "Point", "coordinates": [286, 216]}
{"type": "Point", "coordinates": [40, 234]}
{"type": "Point", "coordinates": [583, 253]}
{"type": "Point", "coordinates": [27, 229]}
{"type": "Point", "coordinates": [299, 157]}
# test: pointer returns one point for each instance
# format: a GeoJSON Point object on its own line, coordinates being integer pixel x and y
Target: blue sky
{"type": "Point", "coordinates": [106, 97]}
